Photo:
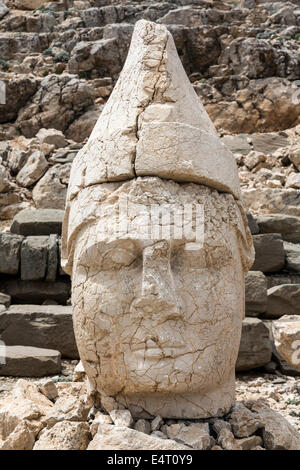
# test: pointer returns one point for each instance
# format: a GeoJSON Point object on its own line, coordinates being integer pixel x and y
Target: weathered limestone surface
{"type": "Point", "coordinates": [286, 333]}
{"type": "Point", "coordinates": [283, 300]}
{"type": "Point", "coordinates": [269, 253]}
{"type": "Point", "coordinates": [255, 348]}
{"type": "Point", "coordinates": [10, 248]}
{"type": "Point", "coordinates": [26, 361]}
{"type": "Point", "coordinates": [111, 437]}
{"type": "Point", "coordinates": [148, 314]}
{"type": "Point", "coordinates": [256, 293]}
{"type": "Point", "coordinates": [278, 434]}
{"type": "Point", "coordinates": [37, 222]}
{"type": "Point", "coordinates": [152, 115]}
{"type": "Point", "coordinates": [41, 326]}
{"type": "Point", "coordinates": [287, 225]}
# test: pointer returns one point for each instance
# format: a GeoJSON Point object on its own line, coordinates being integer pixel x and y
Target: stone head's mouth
{"type": "Point", "coordinates": [158, 343]}
{"type": "Point", "coordinates": [155, 349]}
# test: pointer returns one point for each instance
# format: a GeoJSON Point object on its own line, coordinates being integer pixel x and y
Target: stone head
{"type": "Point", "coordinates": [157, 256]}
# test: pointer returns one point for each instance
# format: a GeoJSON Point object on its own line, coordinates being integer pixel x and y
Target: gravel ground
{"type": "Point", "coordinates": [282, 393]}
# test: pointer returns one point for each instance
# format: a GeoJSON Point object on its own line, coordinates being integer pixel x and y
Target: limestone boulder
{"type": "Point", "coordinates": [34, 255]}
{"type": "Point", "coordinates": [255, 347]}
{"type": "Point", "coordinates": [68, 408]}
{"type": "Point", "coordinates": [4, 179]}
{"type": "Point", "coordinates": [243, 421]}
{"type": "Point", "coordinates": [227, 440]}
{"type": "Point", "coordinates": [269, 253]}
{"type": "Point", "coordinates": [33, 170]}
{"type": "Point", "coordinates": [41, 326]}
{"type": "Point", "coordinates": [22, 438]}
{"type": "Point", "coordinates": [64, 435]}
{"type": "Point", "coordinates": [287, 225]}
{"type": "Point", "coordinates": [30, 4]}
{"type": "Point", "coordinates": [252, 224]}
{"type": "Point", "coordinates": [237, 143]}
{"type": "Point", "coordinates": [293, 181]}
{"type": "Point", "coordinates": [27, 361]}
{"type": "Point", "coordinates": [195, 435]}
{"type": "Point", "coordinates": [270, 200]}
{"type": "Point", "coordinates": [256, 293]}
{"type": "Point", "coordinates": [286, 333]}
{"type": "Point", "coordinates": [25, 403]}
{"type": "Point", "coordinates": [283, 300]}
{"type": "Point", "coordinates": [110, 437]}
{"type": "Point", "coordinates": [52, 137]}
{"type": "Point", "coordinates": [10, 253]}
{"type": "Point", "coordinates": [121, 418]}
{"type": "Point", "coordinates": [3, 10]}
{"type": "Point", "coordinates": [37, 222]}
{"type": "Point", "coordinates": [294, 156]}
{"type": "Point", "coordinates": [269, 142]}
{"type": "Point", "coordinates": [57, 102]}
{"type": "Point", "coordinates": [50, 192]}
{"type": "Point", "coordinates": [292, 254]}
{"type": "Point", "coordinates": [277, 432]}
{"type": "Point", "coordinates": [19, 88]}
{"type": "Point", "coordinates": [36, 292]}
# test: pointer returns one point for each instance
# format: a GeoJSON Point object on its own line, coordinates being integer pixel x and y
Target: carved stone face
{"type": "Point", "coordinates": [158, 325]}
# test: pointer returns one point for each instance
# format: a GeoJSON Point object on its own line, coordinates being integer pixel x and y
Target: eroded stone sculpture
{"type": "Point", "coordinates": [157, 315]}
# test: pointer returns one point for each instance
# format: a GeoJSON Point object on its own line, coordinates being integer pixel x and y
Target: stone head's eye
{"type": "Point", "coordinates": [218, 256]}
{"type": "Point", "coordinates": [117, 257]}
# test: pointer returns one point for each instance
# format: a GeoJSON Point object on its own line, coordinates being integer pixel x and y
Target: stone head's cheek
{"type": "Point", "coordinates": [213, 309]}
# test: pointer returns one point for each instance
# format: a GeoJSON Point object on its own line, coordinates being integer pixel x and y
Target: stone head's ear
{"type": "Point", "coordinates": [66, 251]}
{"type": "Point", "coordinates": [244, 238]}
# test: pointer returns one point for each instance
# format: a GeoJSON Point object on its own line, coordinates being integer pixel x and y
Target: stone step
{"type": "Point", "coordinates": [255, 348]}
{"type": "Point", "coordinates": [38, 222]}
{"type": "Point", "coordinates": [36, 292]}
{"type": "Point", "coordinates": [41, 326]}
{"type": "Point", "coordinates": [27, 361]}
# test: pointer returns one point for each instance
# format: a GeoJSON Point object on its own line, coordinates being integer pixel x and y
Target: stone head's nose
{"type": "Point", "coordinates": [158, 292]}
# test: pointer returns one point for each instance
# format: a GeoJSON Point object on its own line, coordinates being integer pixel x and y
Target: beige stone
{"type": "Point", "coordinates": [180, 347]}
{"type": "Point", "coordinates": [30, 4]}
{"type": "Point", "coordinates": [110, 437]}
{"type": "Point", "coordinates": [121, 418]}
{"type": "Point", "coordinates": [33, 170]}
{"type": "Point", "coordinates": [142, 425]}
{"type": "Point", "coordinates": [79, 373]}
{"type": "Point", "coordinates": [227, 441]}
{"type": "Point", "coordinates": [70, 407]}
{"type": "Point", "coordinates": [152, 115]}
{"type": "Point", "coordinates": [157, 309]}
{"type": "Point", "coordinates": [25, 403]}
{"type": "Point", "coordinates": [64, 436]}
{"type": "Point", "coordinates": [286, 333]}
{"type": "Point", "coordinates": [22, 438]}
{"type": "Point", "coordinates": [277, 432]}
{"type": "Point", "coordinates": [49, 389]}
{"type": "Point", "coordinates": [195, 435]}
{"type": "Point", "coordinates": [243, 421]}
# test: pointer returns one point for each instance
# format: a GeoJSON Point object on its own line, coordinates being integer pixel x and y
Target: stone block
{"type": "Point", "coordinates": [49, 326]}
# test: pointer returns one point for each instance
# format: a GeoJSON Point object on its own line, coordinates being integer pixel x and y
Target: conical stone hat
{"type": "Point", "coordinates": [154, 125]}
